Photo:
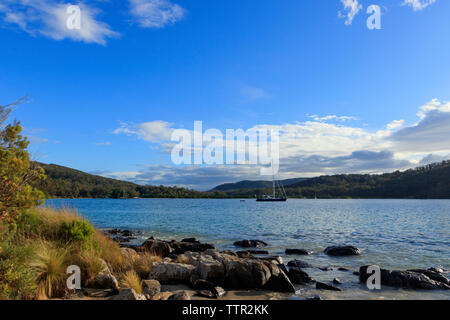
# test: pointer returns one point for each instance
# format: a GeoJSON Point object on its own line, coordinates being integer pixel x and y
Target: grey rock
{"type": "Point", "coordinates": [297, 251]}
{"type": "Point", "coordinates": [250, 244]}
{"type": "Point", "coordinates": [342, 251]}
{"type": "Point", "coordinates": [404, 279]}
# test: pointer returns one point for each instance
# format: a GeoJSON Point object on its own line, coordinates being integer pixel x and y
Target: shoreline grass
{"type": "Point", "coordinates": [37, 248]}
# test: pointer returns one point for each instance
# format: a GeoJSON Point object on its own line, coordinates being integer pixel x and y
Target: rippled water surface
{"type": "Point", "coordinates": [395, 234]}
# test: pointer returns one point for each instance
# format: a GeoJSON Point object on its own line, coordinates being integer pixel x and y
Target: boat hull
{"type": "Point", "coordinates": [271, 200]}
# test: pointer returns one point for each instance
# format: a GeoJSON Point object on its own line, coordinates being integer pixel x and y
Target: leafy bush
{"type": "Point", "coordinates": [77, 230]}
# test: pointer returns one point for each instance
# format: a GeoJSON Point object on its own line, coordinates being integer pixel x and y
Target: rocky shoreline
{"type": "Point", "coordinates": [202, 271]}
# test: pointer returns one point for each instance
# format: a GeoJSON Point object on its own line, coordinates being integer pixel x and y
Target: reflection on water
{"type": "Point", "coordinates": [395, 234]}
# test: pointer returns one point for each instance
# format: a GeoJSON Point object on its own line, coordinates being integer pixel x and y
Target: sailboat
{"type": "Point", "coordinates": [281, 197]}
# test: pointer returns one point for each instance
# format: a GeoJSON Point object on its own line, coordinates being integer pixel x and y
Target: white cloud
{"type": "Point", "coordinates": [153, 131]}
{"type": "Point", "coordinates": [156, 13]}
{"type": "Point", "coordinates": [418, 5]}
{"type": "Point", "coordinates": [351, 9]}
{"type": "Point", "coordinates": [395, 124]}
{"type": "Point", "coordinates": [49, 18]}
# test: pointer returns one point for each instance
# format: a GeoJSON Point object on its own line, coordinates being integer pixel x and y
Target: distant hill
{"type": "Point", "coordinates": [250, 184]}
{"type": "Point", "coordinates": [63, 182]}
{"type": "Point", "coordinates": [427, 182]}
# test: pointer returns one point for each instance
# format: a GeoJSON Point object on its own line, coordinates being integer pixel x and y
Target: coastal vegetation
{"type": "Point", "coordinates": [38, 244]}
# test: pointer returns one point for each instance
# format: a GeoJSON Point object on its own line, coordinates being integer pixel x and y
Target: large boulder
{"type": "Point", "coordinates": [157, 247]}
{"type": "Point", "coordinates": [104, 279]}
{"type": "Point", "coordinates": [405, 279]}
{"type": "Point", "coordinates": [129, 253]}
{"type": "Point", "coordinates": [250, 244]}
{"type": "Point", "coordinates": [342, 251]}
{"type": "Point", "coordinates": [128, 294]}
{"type": "Point", "coordinates": [169, 272]}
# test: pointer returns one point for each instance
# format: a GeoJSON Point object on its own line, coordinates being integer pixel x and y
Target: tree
{"type": "Point", "coordinates": [17, 173]}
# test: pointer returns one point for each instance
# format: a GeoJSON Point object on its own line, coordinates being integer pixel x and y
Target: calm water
{"type": "Point", "coordinates": [395, 234]}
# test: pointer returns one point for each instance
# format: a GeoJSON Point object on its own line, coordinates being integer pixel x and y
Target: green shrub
{"type": "Point", "coordinates": [77, 231]}
{"type": "Point", "coordinates": [16, 278]}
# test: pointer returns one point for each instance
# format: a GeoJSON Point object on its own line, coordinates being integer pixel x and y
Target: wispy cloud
{"type": "Point", "coordinates": [351, 9]}
{"type": "Point", "coordinates": [156, 13]}
{"type": "Point", "coordinates": [418, 5]}
{"type": "Point", "coordinates": [332, 118]}
{"type": "Point", "coordinates": [152, 131]}
{"type": "Point", "coordinates": [49, 18]}
{"type": "Point", "coordinates": [103, 144]}
{"type": "Point", "coordinates": [251, 93]}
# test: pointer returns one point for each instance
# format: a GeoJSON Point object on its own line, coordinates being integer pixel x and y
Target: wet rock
{"type": "Point", "coordinates": [356, 273]}
{"type": "Point", "coordinates": [343, 269]}
{"type": "Point", "coordinates": [169, 272]}
{"type": "Point", "coordinates": [151, 287]}
{"type": "Point", "coordinates": [129, 294]}
{"type": "Point", "coordinates": [324, 286]}
{"type": "Point", "coordinates": [299, 264]}
{"type": "Point", "coordinates": [337, 281]}
{"type": "Point", "coordinates": [438, 270]}
{"type": "Point", "coordinates": [297, 251]}
{"type": "Point", "coordinates": [191, 240]}
{"type": "Point", "coordinates": [250, 244]}
{"type": "Point", "coordinates": [404, 279]}
{"type": "Point", "coordinates": [182, 295]}
{"type": "Point", "coordinates": [298, 276]}
{"type": "Point", "coordinates": [436, 276]}
{"type": "Point", "coordinates": [203, 285]}
{"type": "Point", "coordinates": [127, 233]}
{"type": "Point", "coordinates": [342, 251]}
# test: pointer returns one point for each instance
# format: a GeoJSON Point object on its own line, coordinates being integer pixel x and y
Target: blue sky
{"type": "Point", "coordinates": [105, 98]}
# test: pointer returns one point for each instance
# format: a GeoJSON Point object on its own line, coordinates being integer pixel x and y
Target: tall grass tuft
{"type": "Point", "coordinates": [50, 269]}
{"type": "Point", "coordinates": [131, 280]}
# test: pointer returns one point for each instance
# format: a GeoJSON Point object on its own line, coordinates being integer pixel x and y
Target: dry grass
{"type": "Point", "coordinates": [143, 264]}
{"type": "Point", "coordinates": [131, 280]}
{"type": "Point", "coordinates": [50, 266]}
{"type": "Point", "coordinates": [50, 254]}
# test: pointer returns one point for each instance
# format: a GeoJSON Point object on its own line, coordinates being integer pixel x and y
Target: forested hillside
{"type": "Point", "coordinates": [63, 182]}
{"type": "Point", "coordinates": [427, 182]}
